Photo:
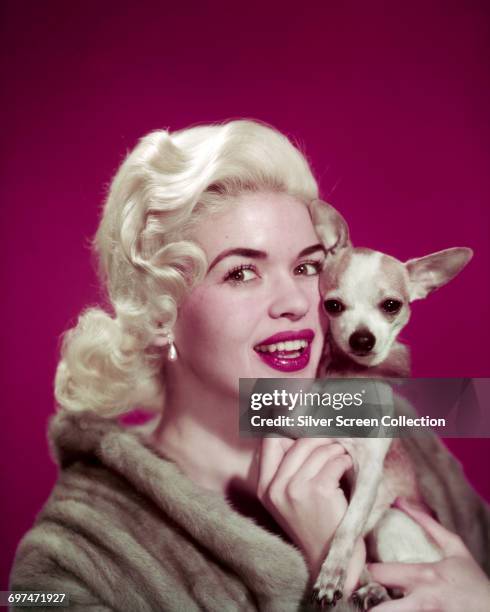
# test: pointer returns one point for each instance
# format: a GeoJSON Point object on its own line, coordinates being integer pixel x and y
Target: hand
{"type": "Point", "coordinates": [298, 483]}
{"type": "Point", "coordinates": [456, 583]}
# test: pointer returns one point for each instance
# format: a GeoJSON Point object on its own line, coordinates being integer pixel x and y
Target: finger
{"type": "Point", "coordinates": [271, 453]}
{"type": "Point", "coordinates": [448, 542]}
{"type": "Point", "coordinates": [405, 604]}
{"type": "Point", "coordinates": [403, 575]}
{"type": "Point", "coordinates": [355, 567]}
{"type": "Point", "coordinates": [332, 471]}
{"type": "Point", "coordinates": [298, 453]}
{"type": "Point", "coordinates": [314, 461]}
{"type": "Point", "coordinates": [317, 460]}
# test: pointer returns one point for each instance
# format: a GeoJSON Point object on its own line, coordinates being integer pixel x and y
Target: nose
{"type": "Point", "coordinates": [362, 341]}
{"type": "Point", "coordinates": [289, 300]}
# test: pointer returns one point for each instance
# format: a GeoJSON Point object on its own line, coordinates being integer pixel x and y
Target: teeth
{"type": "Point", "coordinates": [289, 345]}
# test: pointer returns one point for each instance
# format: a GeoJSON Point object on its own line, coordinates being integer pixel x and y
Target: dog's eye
{"type": "Point", "coordinates": [391, 306]}
{"type": "Point", "coordinates": [333, 306]}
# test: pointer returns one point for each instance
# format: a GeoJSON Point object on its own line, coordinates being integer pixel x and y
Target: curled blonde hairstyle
{"type": "Point", "coordinates": [147, 262]}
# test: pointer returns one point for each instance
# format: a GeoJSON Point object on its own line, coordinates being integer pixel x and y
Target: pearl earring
{"type": "Point", "coordinates": [164, 338]}
{"type": "Point", "coordinates": [172, 351]}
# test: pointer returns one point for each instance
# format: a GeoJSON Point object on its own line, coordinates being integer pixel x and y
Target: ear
{"type": "Point", "coordinates": [433, 271]}
{"type": "Point", "coordinates": [330, 226]}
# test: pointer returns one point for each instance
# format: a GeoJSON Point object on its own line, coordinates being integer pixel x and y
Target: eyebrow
{"type": "Point", "coordinates": [255, 254]}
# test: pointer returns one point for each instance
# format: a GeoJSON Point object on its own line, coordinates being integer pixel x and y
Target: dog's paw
{"type": "Point", "coordinates": [329, 587]}
{"type": "Point", "coordinates": [369, 595]}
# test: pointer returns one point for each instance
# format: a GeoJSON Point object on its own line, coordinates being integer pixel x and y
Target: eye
{"type": "Point", "coordinates": [333, 307]}
{"type": "Point", "coordinates": [241, 274]}
{"type": "Point", "coordinates": [308, 268]}
{"type": "Point", "coordinates": [391, 306]}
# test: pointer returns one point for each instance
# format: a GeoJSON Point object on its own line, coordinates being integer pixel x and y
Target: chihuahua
{"type": "Point", "coordinates": [367, 295]}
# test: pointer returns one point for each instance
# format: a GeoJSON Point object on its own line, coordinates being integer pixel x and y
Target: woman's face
{"type": "Point", "coordinates": [257, 312]}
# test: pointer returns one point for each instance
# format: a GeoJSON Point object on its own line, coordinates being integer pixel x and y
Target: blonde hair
{"type": "Point", "coordinates": [147, 263]}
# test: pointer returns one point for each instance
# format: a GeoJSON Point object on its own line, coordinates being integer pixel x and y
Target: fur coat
{"type": "Point", "coordinates": [125, 530]}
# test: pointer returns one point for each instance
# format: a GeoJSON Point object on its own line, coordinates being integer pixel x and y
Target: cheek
{"type": "Point", "coordinates": [210, 318]}
{"type": "Point", "coordinates": [398, 323]}
{"type": "Point", "coordinates": [197, 323]}
{"type": "Point", "coordinates": [383, 328]}
{"type": "Point", "coordinates": [346, 323]}
{"type": "Point", "coordinates": [336, 327]}
{"type": "Point", "coordinates": [324, 320]}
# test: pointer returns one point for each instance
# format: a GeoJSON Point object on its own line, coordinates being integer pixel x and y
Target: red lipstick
{"type": "Point", "coordinates": [287, 351]}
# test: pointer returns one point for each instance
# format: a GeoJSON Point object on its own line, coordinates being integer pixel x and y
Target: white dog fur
{"type": "Point", "coordinates": [367, 296]}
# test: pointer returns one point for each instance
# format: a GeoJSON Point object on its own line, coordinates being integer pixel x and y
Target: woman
{"type": "Point", "coordinates": [210, 260]}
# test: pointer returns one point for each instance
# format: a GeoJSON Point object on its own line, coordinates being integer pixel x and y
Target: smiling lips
{"type": "Point", "coordinates": [287, 351]}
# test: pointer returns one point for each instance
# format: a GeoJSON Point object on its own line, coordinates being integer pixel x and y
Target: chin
{"type": "Point", "coordinates": [369, 361]}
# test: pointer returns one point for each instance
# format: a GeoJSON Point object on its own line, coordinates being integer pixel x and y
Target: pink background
{"type": "Point", "coordinates": [390, 102]}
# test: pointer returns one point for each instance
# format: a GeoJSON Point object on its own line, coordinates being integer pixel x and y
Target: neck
{"type": "Point", "coordinates": [198, 430]}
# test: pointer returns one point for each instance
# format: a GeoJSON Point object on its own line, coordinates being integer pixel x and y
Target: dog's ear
{"type": "Point", "coordinates": [433, 271]}
{"type": "Point", "coordinates": [330, 226]}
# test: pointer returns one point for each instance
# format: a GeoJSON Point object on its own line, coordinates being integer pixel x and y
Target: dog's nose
{"type": "Point", "coordinates": [362, 341]}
